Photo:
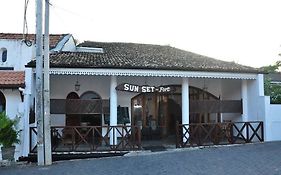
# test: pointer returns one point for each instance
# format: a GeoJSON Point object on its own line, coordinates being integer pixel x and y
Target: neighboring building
{"type": "Point", "coordinates": [16, 83]}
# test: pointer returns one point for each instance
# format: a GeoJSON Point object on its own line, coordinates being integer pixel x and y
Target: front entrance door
{"type": "Point", "coordinates": [157, 113]}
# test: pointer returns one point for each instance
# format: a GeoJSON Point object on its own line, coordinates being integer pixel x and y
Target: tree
{"type": "Point", "coordinates": [272, 90]}
{"type": "Point", "coordinates": [272, 68]}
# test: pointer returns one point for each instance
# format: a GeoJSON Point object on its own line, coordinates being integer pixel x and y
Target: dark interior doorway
{"type": "Point", "coordinates": [2, 102]}
{"type": "Point", "coordinates": [72, 119]}
{"type": "Point", "coordinates": [158, 113]}
{"type": "Point", "coordinates": [91, 119]}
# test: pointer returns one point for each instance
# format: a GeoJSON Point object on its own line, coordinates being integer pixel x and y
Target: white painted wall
{"type": "Point", "coordinates": [259, 105]}
{"type": "Point", "coordinates": [255, 91]}
{"type": "Point", "coordinates": [12, 102]}
{"type": "Point", "coordinates": [70, 44]}
{"type": "Point", "coordinates": [18, 54]}
{"type": "Point", "coordinates": [14, 108]}
{"type": "Point", "coordinates": [274, 120]}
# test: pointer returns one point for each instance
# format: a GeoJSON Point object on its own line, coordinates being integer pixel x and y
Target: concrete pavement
{"type": "Point", "coordinates": [254, 159]}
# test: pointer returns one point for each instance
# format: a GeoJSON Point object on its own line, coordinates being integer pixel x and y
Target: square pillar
{"type": "Point", "coordinates": [113, 110]}
{"type": "Point", "coordinates": [185, 104]}
{"type": "Point", "coordinates": [244, 95]}
{"type": "Point", "coordinates": [29, 76]}
{"type": "Point", "coordinates": [260, 80]}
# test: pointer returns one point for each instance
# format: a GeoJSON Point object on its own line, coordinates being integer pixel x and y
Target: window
{"type": "Point", "coordinates": [3, 54]}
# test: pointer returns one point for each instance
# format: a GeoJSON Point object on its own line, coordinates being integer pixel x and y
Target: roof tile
{"type": "Point", "coordinates": [54, 38]}
{"type": "Point", "coordinates": [12, 79]}
{"type": "Point", "coordinates": [142, 56]}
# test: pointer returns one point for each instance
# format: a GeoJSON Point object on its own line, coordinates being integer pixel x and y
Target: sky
{"type": "Point", "coordinates": [247, 32]}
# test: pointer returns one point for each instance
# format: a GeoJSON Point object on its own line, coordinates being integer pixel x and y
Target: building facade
{"type": "Point", "coordinates": [158, 86]}
{"type": "Point", "coordinates": [120, 96]}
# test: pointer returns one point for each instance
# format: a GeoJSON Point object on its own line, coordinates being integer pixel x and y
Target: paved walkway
{"type": "Point", "coordinates": [252, 159]}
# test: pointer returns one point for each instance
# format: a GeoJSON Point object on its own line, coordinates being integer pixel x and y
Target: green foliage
{"type": "Point", "coordinates": [8, 132]}
{"type": "Point", "coordinates": [272, 68]}
{"type": "Point", "coordinates": [272, 90]}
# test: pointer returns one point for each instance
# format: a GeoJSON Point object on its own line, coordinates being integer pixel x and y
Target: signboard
{"type": "Point", "coordinates": [144, 88]}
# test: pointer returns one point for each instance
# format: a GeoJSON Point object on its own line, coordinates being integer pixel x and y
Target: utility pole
{"type": "Point", "coordinates": [39, 75]}
{"type": "Point", "coordinates": [47, 121]}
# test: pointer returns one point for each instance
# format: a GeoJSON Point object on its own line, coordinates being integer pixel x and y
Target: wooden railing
{"type": "Point", "coordinates": [90, 138]}
{"type": "Point", "coordinates": [125, 138]}
{"type": "Point", "coordinates": [203, 134]}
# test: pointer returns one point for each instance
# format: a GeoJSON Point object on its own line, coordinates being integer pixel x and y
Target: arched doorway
{"type": "Point", "coordinates": [72, 119]}
{"type": "Point", "coordinates": [200, 95]}
{"type": "Point", "coordinates": [157, 113]}
{"type": "Point", "coordinates": [94, 119]}
{"type": "Point", "coordinates": [2, 102]}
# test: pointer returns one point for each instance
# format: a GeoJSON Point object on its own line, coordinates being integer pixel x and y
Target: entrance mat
{"type": "Point", "coordinates": [155, 148]}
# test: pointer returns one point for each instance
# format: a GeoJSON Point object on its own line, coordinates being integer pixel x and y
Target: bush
{"type": "Point", "coordinates": [8, 132]}
{"type": "Point", "coordinates": [272, 90]}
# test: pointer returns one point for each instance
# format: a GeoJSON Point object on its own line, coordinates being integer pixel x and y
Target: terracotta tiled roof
{"type": "Point", "coordinates": [142, 56]}
{"type": "Point", "coordinates": [54, 39]}
{"type": "Point", "coordinates": [11, 79]}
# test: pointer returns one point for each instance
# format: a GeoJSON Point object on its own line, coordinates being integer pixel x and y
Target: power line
{"type": "Point", "coordinates": [70, 11]}
{"type": "Point", "coordinates": [25, 25]}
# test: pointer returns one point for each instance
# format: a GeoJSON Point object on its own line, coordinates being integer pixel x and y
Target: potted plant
{"type": "Point", "coordinates": [8, 136]}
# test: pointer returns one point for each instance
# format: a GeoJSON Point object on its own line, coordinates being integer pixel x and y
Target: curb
{"type": "Point", "coordinates": [6, 163]}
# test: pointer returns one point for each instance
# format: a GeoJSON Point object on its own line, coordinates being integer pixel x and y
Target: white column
{"type": "Point", "coordinates": [244, 95]}
{"type": "Point", "coordinates": [26, 138]}
{"type": "Point", "coordinates": [185, 103]}
{"type": "Point", "coordinates": [113, 109]}
{"type": "Point", "coordinates": [260, 80]}
{"type": "Point", "coordinates": [29, 76]}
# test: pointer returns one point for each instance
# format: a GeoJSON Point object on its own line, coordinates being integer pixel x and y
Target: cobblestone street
{"type": "Point", "coordinates": [255, 159]}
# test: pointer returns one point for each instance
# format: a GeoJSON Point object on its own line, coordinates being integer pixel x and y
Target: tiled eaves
{"type": "Point", "coordinates": [12, 79]}
{"type": "Point", "coordinates": [54, 38]}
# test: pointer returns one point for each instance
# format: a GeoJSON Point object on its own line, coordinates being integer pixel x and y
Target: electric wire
{"type": "Point", "coordinates": [25, 25]}
{"type": "Point", "coordinates": [54, 6]}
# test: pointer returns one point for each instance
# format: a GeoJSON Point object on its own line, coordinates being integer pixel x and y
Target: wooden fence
{"type": "Point", "coordinates": [203, 134]}
{"type": "Point", "coordinates": [90, 138]}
